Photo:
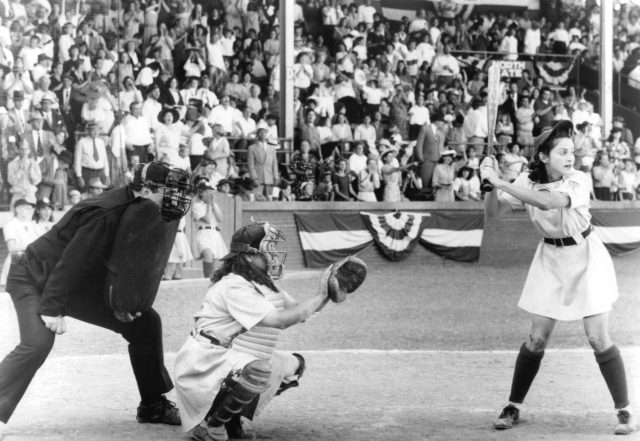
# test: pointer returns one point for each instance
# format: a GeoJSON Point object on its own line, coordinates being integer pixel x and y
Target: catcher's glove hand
{"type": "Point", "coordinates": [345, 277]}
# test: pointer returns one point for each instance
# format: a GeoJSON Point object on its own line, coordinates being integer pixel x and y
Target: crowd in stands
{"type": "Point", "coordinates": [385, 111]}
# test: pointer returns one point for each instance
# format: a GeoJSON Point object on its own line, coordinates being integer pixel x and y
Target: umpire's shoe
{"type": "Point", "coordinates": [509, 416]}
{"type": "Point", "coordinates": [162, 411]}
{"type": "Point", "coordinates": [626, 423]}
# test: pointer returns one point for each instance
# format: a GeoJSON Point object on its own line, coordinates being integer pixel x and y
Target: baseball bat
{"type": "Point", "coordinates": [493, 98]}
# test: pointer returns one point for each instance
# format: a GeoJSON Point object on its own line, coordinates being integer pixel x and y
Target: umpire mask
{"type": "Point", "coordinates": [174, 182]}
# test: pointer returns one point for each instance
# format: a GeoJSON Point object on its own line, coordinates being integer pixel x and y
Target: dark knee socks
{"type": "Point", "coordinates": [207, 269]}
{"type": "Point", "coordinates": [527, 366]}
{"type": "Point", "coordinates": [612, 369]}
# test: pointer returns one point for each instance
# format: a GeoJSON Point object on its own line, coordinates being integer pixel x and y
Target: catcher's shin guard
{"type": "Point", "coordinates": [238, 390]}
{"type": "Point", "coordinates": [292, 381]}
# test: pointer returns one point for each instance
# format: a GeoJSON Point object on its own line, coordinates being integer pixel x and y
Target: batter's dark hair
{"type": "Point", "coordinates": [537, 169]}
{"type": "Point", "coordinates": [240, 265]}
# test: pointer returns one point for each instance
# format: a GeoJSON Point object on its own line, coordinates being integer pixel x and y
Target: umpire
{"type": "Point", "coordinates": [63, 273]}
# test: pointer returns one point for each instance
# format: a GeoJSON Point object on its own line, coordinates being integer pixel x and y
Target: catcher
{"type": "Point", "coordinates": [228, 367]}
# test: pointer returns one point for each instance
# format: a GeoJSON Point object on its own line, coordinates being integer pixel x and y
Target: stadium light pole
{"type": "Point", "coordinates": [606, 65]}
{"type": "Point", "coordinates": [287, 114]}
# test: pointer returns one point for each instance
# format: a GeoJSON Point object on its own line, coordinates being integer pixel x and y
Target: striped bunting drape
{"type": "Point", "coordinates": [618, 229]}
{"type": "Point", "coordinates": [329, 236]}
{"type": "Point", "coordinates": [394, 10]}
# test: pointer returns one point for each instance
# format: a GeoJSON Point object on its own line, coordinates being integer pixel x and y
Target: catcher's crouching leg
{"type": "Point", "coordinates": [292, 380]}
{"type": "Point", "coordinates": [238, 389]}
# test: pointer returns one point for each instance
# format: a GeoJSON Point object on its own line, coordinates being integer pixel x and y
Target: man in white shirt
{"type": "Point", "coordinates": [419, 23]}
{"type": "Point", "coordinates": [445, 66]}
{"type": "Point", "coordinates": [29, 54]}
{"type": "Point", "coordinates": [224, 114]}
{"type": "Point", "coordinates": [425, 51]}
{"type": "Point", "coordinates": [366, 132]}
{"type": "Point", "coordinates": [366, 12]}
{"type": "Point", "coordinates": [91, 158]}
{"type": "Point", "coordinates": [138, 133]}
{"type": "Point", "coordinates": [357, 160]}
{"type": "Point", "coordinates": [475, 123]}
{"type": "Point", "coordinates": [532, 39]}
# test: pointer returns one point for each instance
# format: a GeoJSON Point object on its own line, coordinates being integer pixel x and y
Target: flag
{"type": "Point", "coordinates": [395, 233]}
{"type": "Point", "coordinates": [456, 236]}
{"type": "Point", "coordinates": [327, 237]}
{"type": "Point", "coordinates": [619, 230]}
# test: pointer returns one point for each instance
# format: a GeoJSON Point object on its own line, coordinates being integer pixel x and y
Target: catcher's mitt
{"type": "Point", "coordinates": [345, 277]}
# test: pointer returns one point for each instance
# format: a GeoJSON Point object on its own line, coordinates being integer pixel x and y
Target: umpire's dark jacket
{"type": "Point", "coordinates": [70, 259]}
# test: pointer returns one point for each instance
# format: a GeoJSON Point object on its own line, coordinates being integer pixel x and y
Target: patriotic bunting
{"type": "Point", "coordinates": [394, 10]}
{"type": "Point", "coordinates": [455, 236]}
{"type": "Point", "coordinates": [618, 229]}
{"type": "Point", "coordinates": [395, 233]}
{"type": "Point", "coordinates": [328, 237]}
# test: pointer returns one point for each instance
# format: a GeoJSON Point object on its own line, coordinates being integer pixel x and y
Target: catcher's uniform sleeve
{"type": "Point", "coordinates": [576, 187]}
{"type": "Point", "coordinates": [246, 305]}
{"type": "Point", "coordinates": [521, 181]}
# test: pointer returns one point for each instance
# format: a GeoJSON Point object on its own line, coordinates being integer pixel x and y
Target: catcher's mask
{"type": "Point", "coordinates": [261, 239]}
{"type": "Point", "coordinates": [174, 182]}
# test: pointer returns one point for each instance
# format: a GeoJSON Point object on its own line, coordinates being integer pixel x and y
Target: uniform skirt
{"type": "Point", "coordinates": [181, 251]}
{"type": "Point", "coordinates": [211, 239]}
{"type": "Point", "coordinates": [571, 282]}
{"type": "Point", "coordinates": [200, 369]}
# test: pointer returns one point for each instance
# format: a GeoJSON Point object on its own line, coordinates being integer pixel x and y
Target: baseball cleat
{"type": "Point", "coordinates": [509, 416]}
{"type": "Point", "coordinates": [160, 412]}
{"type": "Point", "coordinates": [626, 423]}
{"type": "Point", "coordinates": [204, 432]}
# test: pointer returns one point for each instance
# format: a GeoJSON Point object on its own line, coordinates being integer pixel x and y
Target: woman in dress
{"type": "Point", "coordinates": [369, 181]}
{"type": "Point", "coordinates": [180, 254]}
{"type": "Point", "coordinates": [571, 277]}
{"type": "Point", "coordinates": [219, 150]}
{"type": "Point", "coordinates": [207, 218]}
{"type": "Point", "coordinates": [167, 135]}
{"type": "Point", "coordinates": [603, 177]}
{"type": "Point", "coordinates": [392, 176]}
{"type": "Point", "coordinates": [304, 165]}
{"type": "Point", "coordinates": [443, 176]}
{"type": "Point", "coordinates": [235, 332]}
{"type": "Point", "coordinates": [19, 232]}
{"type": "Point", "coordinates": [342, 188]}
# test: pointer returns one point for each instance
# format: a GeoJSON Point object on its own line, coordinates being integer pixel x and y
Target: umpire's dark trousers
{"type": "Point", "coordinates": [144, 335]}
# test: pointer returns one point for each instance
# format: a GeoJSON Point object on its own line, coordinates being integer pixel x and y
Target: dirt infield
{"type": "Point", "coordinates": [417, 354]}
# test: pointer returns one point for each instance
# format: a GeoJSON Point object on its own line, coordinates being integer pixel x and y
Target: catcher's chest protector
{"type": "Point", "coordinates": [139, 255]}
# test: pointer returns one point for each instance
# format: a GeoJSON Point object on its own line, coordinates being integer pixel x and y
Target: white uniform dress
{"type": "Point", "coordinates": [230, 312]}
{"type": "Point", "coordinates": [208, 235]}
{"type": "Point", "coordinates": [181, 251]}
{"type": "Point", "coordinates": [566, 282]}
{"type": "Point", "coordinates": [23, 232]}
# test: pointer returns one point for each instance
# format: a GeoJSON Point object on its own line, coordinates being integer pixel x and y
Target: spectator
{"type": "Point", "coordinates": [91, 159]}
{"type": "Point", "coordinates": [138, 133]}
{"type": "Point", "coordinates": [43, 216]}
{"type": "Point", "coordinates": [219, 151]}
{"type": "Point", "coordinates": [368, 181]}
{"type": "Point", "coordinates": [512, 163]}
{"type": "Point", "coordinates": [443, 176]}
{"type": "Point", "coordinates": [525, 125]}
{"type": "Point", "coordinates": [603, 177]}
{"type": "Point", "coordinates": [18, 233]}
{"type": "Point", "coordinates": [167, 136]}
{"type": "Point", "coordinates": [23, 174]}
{"type": "Point", "coordinates": [263, 164]}
{"type": "Point", "coordinates": [628, 180]}
{"type": "Point", "coordinates": [392, 176]}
